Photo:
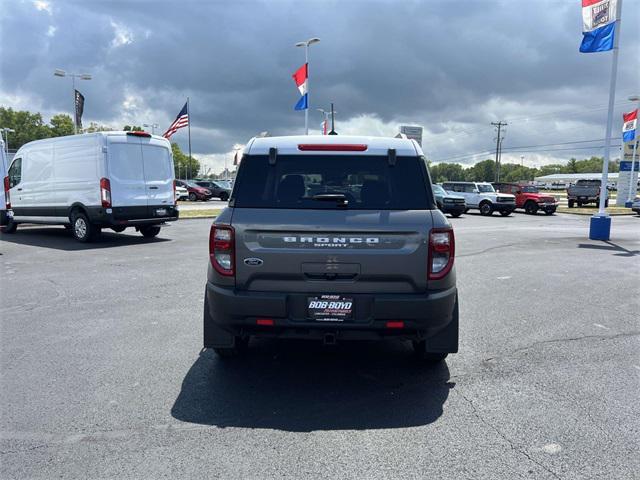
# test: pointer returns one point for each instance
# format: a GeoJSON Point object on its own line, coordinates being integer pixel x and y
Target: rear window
{"type": "Point", "coordinates": [366, 182]}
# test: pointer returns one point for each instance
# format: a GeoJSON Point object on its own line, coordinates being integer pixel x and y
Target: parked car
{"type": "Point", "coordinates": [5, 201]}
{"type": "Point", "coordinates": [528, 197]}
{"type": "Point", "coordinates": [332, 238]}
{"type": "Point", "coordinates": [454, 205]}
{"type": "Point", "coordinates": [196, 192]}
{"type": "Point", "coordinates": [181, 193]}
{"type": "Point", "coordinates": [635, 206]}
{"type": "Point", "coordinates": [93, 181]}
{"type": "Point", "coordinates": [482, 196]}
{"type": "Point", "coordinates": [584, 192]}
{"type": "Point", "coordinates": [216, 188]}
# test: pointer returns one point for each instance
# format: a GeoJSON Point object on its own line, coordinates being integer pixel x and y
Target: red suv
{"type": "Point", "coordinates": [196, 192]}
{"type": "Point", "coordinates": [529, 197]}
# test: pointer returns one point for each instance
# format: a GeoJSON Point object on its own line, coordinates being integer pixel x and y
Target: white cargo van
{"type": "Point", "coordinates": [93, 181]}
{"type": "Point", "coordinates": [5, 202]}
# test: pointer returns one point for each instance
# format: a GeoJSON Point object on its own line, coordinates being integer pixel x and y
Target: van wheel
{"type": "Point", "coordinates": [150, 232]}
{"type": "Point", "coordinates": [485, 209]}
{"type": "Point", "coordinates": [571, 203]}
{"type": "Point", "coordinates": [82, 229]}
{"type": "Point", "coordinates": [224, 196]}
{"type": "Point", "coordinates": [10, 227]}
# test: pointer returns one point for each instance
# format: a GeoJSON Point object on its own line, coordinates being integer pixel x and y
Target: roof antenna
{"type": "Point", "coordinates": [333, 122]}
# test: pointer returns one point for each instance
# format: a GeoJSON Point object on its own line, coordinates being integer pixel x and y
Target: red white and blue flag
{"type": "Point", "coordinates": [629, 125]}
{"type": "Point", "coordinates": [598, 25]}
{"type": "Point", "coordinates": [182, 120]}
{"type": "Point", "coordinates": [300, 77]}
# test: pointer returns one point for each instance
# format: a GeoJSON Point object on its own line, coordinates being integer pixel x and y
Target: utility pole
{"type": "Point", "coordinates": [498, 146]}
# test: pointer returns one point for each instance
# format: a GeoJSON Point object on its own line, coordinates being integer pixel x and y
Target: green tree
{"type": "Point", "coordinates": [132, 128]}
{"type": "Point", "coordinates": [481, 172]}
{"type": "Point", "coordinates": [95, 127]}
{"type": "Point", "coordinates": [28, 126]}
{"type": "Point", "coordinates": [184, 167]}
{"type": "Point", "coordinates": [61, 125]}
{"type": "Point", "coordinates": [443, 172]}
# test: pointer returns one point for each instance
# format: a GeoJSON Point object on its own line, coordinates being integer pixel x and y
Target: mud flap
{"type": "Point", "coordinates": [214, 336]}
{"type": "Point", "coordinates": [446, 340]}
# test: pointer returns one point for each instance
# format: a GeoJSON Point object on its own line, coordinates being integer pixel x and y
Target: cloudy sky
{"type": "Point", "coordinates": [450, 66]}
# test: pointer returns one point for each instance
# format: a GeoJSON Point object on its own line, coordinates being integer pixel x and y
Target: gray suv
{"type": "Point", "coordinates": [332, 238]}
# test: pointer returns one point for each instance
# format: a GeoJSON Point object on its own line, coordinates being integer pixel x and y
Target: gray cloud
{"type": "Point", "coordinates": [452, 66]}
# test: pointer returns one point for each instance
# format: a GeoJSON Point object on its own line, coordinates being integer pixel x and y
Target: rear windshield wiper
{"type": "Point", "coordinates": [339, 198]}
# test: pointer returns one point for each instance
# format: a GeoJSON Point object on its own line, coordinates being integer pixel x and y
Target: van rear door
{"type": "Point", "coordinates": [126, 172]}
{"type": "Point", "coordinates": [158, 172]}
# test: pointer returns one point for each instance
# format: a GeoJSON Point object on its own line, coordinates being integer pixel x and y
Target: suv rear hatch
{"type": "Point", "coordinates": [332, 223]}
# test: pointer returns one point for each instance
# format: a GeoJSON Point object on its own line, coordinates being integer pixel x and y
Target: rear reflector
{"type": "Point", "coordinates": [265, 322]}
{"type": "Point", "coordinates": [395, 324]}
{"type": "Point", "coordinates": [139, 134]}
{"type": "Point", "coordinates": [327, 147]}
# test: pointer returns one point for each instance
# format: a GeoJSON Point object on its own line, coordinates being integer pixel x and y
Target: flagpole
{"type": "Point", "coordinates": [306, 110]}
{"type": "Point", "coordinates": [600, 225]}
{"type": "Point", "coordinates": [189, 129]}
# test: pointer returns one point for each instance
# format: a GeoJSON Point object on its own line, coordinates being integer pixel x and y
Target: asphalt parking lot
{"type": "Point", "coordinates": [103, 374]}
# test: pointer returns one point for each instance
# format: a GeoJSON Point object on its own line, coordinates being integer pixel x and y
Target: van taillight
{"type": "Point", "coordinates": [105, 192]}
{"type": "Point", "coordinates": [175, 199]}
{"type": "Point", "coordinates": [441, 252]}
{"type": "Point", "coordinates": [7, 197]}
{"type": "Point", "coordinates": [222, 249]}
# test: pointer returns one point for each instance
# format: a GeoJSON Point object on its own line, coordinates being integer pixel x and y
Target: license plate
{"type": "Point", "coordinates": [161, 212]}
{"type": "Point", "coordinates": [330, 308]}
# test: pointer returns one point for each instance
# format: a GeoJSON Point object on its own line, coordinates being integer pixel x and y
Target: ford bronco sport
{"type": "Point", "coordinates": [332, 238]}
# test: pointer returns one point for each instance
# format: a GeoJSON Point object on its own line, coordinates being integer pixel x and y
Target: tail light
{"type": "Point", "coordinates": [222, 249]}
{"type": "Point", "coordinates": [7, 196]}
{"type": "Point", "coordinates": [441, 252]}
{"type": "Point", "coordinates": [332, 147]}
{"type": "Point", "coordinates": [105, 192]}
{"type": "Point", "coordinates": [175, 199]}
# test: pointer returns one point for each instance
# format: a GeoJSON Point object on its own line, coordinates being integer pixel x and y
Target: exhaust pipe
{"type": "Point", "coordinates": [329, 339]}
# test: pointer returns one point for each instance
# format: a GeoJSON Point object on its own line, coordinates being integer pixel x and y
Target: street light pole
{"type": "Point", "coordinates": [153, 127]}
{"type": "Point", "coordinates": [306, 44]}
{"type": "Point", "coordinates": [82, 76]}
{"type": "Point", "coordinates": [7, 131]}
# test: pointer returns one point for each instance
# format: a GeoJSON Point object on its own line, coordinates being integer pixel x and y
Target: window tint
{"type": "Point", "coordinates": [366, 182]}
{"type": "Point", "coordinates": [157, 163]}
{"type": "Point", "coordinates": [125, 162]}
{"type": "Point", "coordinates": [15, 172]}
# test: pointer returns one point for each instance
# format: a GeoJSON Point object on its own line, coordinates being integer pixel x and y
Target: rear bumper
{"type": "Point", "coordinates": [5, 216]}
{"type": "Point", "coordinates": [236, 313]}
{"type": "Point", "coordinates": [132, 216]}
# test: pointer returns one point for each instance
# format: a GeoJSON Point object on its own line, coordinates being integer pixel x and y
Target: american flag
{"type": "Point", "coordinates": [182, 120]}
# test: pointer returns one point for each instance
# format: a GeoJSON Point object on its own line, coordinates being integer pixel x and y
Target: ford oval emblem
{"type": "Point", "coordinates": [253, 262]}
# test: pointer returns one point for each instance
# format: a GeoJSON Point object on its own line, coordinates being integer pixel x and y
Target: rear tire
{"type": "Point", "coordinates": [531, 208]}
{"type": "Point", "coordinates": [118, 229]}
{"type": "Point", "coordinates": [150, 231]}
{"type": "Point", "coordinates": [485, 209]}
{"type": "Point", "coordinates": [10, 227]}
{"type": "Point", "coordinates": [224, 196]}
{"type": "Point", "coordinates": [456, 214]}
{"type": "Point", "coordinates": [82, 229]}
{"type": "Point", "coordinates": [571, 203]}
{"type": "Point", "coordinates": [192, 197]}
